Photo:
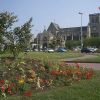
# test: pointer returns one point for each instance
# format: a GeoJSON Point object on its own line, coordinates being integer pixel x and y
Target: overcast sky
{"type": "Point", "coordinates": [62, 12]}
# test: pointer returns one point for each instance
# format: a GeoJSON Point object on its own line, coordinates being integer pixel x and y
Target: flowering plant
{"type": "Point", "coordinates": [23, 76]}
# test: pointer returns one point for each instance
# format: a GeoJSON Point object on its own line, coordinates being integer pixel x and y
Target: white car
{"type": "Point", "coordinates": [50, 50]}
{"type": "Point", "coordinates": [93, 49]}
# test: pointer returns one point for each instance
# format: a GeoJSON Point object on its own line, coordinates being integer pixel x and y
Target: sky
{"type": "Point", "coordinates": [43, 12]}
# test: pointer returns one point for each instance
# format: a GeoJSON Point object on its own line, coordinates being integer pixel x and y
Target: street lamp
{"type": "Point", "coordinates": [81, 31]}
{"type": "Point", "coordinates": [38, 39]}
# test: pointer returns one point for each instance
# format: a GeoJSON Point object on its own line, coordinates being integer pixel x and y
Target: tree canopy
{"type": "Point", "coordinates": [14, 38]}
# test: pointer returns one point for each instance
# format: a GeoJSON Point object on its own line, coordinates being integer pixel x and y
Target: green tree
{"type": "Point", "coordinates": [56, 42]}
{"type": "Point", "coordinates": [93, 41]}
{"type": "Point", "coordinates": [15, 39]}
{"type": "Point", "coordinates": [6, 22]}
{"type": "Point", "coordinates": [72, 43]}
{"type": "Point", "coordinates": [53, 43]}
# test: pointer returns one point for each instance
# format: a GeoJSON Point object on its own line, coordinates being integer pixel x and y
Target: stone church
{"type": "Point", "coordinates": [71, 33]}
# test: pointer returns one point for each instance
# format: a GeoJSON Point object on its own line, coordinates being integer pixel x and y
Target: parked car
{"type": "Point", "coordinates": [93, 49]}
{"type": "Point", "coordinates": [36, 50]}
{"type": "Point", "coordinates": [77, 48]}
{"type": "Point", "coordinates": [61, 50]}
{"type": "Point", "coordinates": [26, 50]}
{"type": "Point", "coordinates": [50, 50]}
{"type": "Point", "coordinates": [86, 50]}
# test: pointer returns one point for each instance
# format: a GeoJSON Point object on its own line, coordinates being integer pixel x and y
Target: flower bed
{"type": "Point", "coordinates": [21, 77]}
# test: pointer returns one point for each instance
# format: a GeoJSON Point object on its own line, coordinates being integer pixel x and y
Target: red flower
{"type": "Point", "coordinates": [27, 93]}
{"type": "Point", "coordinates": [2, 88]}
{"type": "Point", "coordinates": [13, 84]}
{"type": "Point", "coordinates": [2, 81]}
{"type": "Point", "coordinates": [57, 72]}
{"type": "Point", "coordinates": [77, 65]}
{"type": "Point", "coordinates": [9, 88]}
{"type": "Point", "coordinates": [53, 72]}
{"type": "Point", "coordinates": [78, 73]}
{"type": "Point", "coordinates": [88, 75]}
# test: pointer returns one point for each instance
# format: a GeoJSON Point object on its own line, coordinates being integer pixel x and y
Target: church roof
{"type": "Point", "coordinates": [56, 26]}
{"type": "Point", "coordinates": [53, 25]}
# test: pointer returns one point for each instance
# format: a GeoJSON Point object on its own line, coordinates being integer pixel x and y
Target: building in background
{"type": "Point", "coordinates": [72, 33]}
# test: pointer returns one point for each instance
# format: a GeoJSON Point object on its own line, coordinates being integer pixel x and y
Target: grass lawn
{"type": "Point", "coordinates": [50, 56]}
{"type": "Point", "coordinates": [83, 90]}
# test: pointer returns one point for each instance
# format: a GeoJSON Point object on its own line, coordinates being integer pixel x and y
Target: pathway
{"type": "Point", "coordinates": [78, 58]}
{"type": "Point", "coordinates": [95, 66]}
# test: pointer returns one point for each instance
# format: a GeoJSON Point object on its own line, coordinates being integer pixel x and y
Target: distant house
{"type": "Point", "coordinates": [71, 33]}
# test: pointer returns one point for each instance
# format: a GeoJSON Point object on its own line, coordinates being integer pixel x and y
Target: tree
{"type": "Point", "coordinates": [15, 39]}
{"type": "Point", "coordinates": [56, 42]}
{"type": "Point", "coordinates": [93, 41]}
{"type": "Point", "coordinates": [72, 43]}
{"type": "Point", "coordinates": [53, 43]}
{"type": "Point", "coordinates": [24, 34]}
{"type": "Point", "coordinates": [6, 22]}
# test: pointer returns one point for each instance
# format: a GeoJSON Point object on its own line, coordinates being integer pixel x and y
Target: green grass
{"type": "Point", "coordinates": [50, 56]}
{"type": "Point", "coordinates": [83, 90]}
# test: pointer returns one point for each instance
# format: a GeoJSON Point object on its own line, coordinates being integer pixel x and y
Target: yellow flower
{"type": "Point", "coordinates": [21, 81]}
{"type": "Point", "coordinates": [22, 62]}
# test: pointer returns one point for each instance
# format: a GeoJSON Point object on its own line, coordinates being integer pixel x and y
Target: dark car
{"type": "Point", "coordinates": [61, 50]}
{"type": "Point", "coordinates": [85, 50]}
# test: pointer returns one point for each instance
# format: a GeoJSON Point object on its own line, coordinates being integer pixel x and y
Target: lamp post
{"type": "Point", "coordinates": [37, 39]}
{"type": "Point", "coordinates": [81, 31]}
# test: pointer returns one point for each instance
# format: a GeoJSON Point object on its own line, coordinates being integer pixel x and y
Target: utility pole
{"type": "Point", "coordinates": [81, 31]}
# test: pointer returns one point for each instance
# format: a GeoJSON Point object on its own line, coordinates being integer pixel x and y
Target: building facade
{"type": "Point", "coordinates": [72, 33]}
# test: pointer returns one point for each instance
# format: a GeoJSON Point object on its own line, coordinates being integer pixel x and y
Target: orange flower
{"type": "Point", "coordinates": [78, 73]}
{"type": "Point", "coordinates": [27, 93]}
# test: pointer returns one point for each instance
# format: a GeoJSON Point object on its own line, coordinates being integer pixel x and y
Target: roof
{"type": "Point", "coordinates": [53, 25]}
{"type": "Point", "coordinates": [56, 26]}
{"type": "Point", "coordinates": [73, 29]}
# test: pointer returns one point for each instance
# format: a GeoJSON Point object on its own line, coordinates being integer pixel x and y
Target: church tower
{"type": "Point", "coordinates": [94, 25]}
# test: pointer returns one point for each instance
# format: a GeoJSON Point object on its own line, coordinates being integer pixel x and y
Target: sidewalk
{"type": "Point", "coordinates": [72, 61]}
{"type": "Point", "coordinates": [95, 66]}
{"type": "Point", "coordinates": [78, 58]}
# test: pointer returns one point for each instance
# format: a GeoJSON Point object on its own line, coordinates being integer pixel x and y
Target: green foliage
{"type": "Point", "coordinates": [56, 41]}
{"type": "Point", "coordinates": [93, 41]}
{"type": "Point", "coordinates": [71, 43]}
{"type": "Point", "coordinates": [14, 39]}
{"type": "Point", "coordinates": [24, 34]}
